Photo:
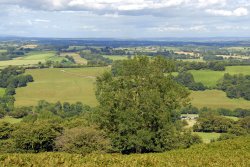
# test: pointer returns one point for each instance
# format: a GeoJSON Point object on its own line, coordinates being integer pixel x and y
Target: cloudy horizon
{"type": "Point", "coordinates": [125, 18]}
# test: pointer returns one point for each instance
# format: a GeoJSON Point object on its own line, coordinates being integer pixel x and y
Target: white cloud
{"type": "Point", "coordinates": [204, 3]}
{"type": "Point", "coordinates": [178, 28]}
{"type": "Point", "coordinates": [237, 12]}
{"type": "Point", "coordinates": [42, 20]}
{"type": "Point", "coordinates": [230, 27]}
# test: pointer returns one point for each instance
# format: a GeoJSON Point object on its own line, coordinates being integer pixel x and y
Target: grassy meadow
{"type": "Point", "coordinates": [65, 85]}
{"type": "Point", "coordinates": [210, 78]}
{"type": "Point", "coordinates": [78, 59]}
{"type": "Point", "coordinates": [78, 84]}
{"type": "Point", "coordinates": [2, 91]}
{"type": "Point", "coordinates": [29, 59]}
{"type": "Point", "coordinates": [116, 57]}
{"type": "Point", "coordinates": [3, 51]}
{"type": "Point", "coordinates": [216, 99]}
{"type": "Point", "coordinates": [207, 137]}
{"type": "Point", "coordinates": [228, 153]}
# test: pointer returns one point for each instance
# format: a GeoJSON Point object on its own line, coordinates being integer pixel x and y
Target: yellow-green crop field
{"type": "Point", "coordinates": [60, 84]}
{"type": "Point", "coordinates": [228, 153]}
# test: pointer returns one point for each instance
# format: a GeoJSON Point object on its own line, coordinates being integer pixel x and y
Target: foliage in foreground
{"type": "Point", "coordinates": [139, 104]}
{"type": "Point", "coordinates": [234, 152]}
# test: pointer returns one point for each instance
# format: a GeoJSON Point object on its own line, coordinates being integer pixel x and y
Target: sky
{"type": "Point", "coordinates": [125, 18]}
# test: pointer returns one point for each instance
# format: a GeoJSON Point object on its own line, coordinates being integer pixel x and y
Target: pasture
{"type": "Point", "coordinates": [116, 57]}
{"type": "Point", "coordinates": [2, 92]}
{"type": "Point", "coordinates": [78, 59]}
{"type": "Point", "coordinates": [29, 59]}
{"type": "Point", "coordinates": [65, 85]}
{"type": "Point", "coordinates": [3, 51]}
{"type": "Point", "coordinates": [210, 78]}
{"type": "Point", "coordinates": [216, 99]}
{"type": "Point", "coordinates": [207, 137]}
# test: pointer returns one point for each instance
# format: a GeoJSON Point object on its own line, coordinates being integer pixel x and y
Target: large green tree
{"type": "Point", "coordinates": [138, 104]}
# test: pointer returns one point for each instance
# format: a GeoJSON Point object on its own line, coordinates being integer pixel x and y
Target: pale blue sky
{"type": "Point", "coordinates": [125, 18]}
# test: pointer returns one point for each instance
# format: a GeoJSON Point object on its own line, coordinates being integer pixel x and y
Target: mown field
{"type": "Point", "coordinates": [228, 153]}
{"type": "Point", "coordinates": [210, 78]}
{"type": "Point", "coordinates": [116, 57]}
{"type": "Point", "coordinates": [207, 137]}
{"type": "Point", "coordinates": [2, 91]}
{"type": "Point", "coordinates": [216, 99]}
{"type": "Point", "coordinates": [69, 84]}
{"type": "Point", "coordinates": [30, 59]}
{"type": "Point", "coordinates": [78, 84]}
{"type": "Point", "coordinates": [78, 59]}
{"type": "Point", "coordinates": [3, 51]}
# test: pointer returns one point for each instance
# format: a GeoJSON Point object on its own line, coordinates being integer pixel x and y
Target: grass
{"type": "Point", "coordinates": [232, 118]}
{"type": "Point", "coordinates": [70, 84]}
{"type": "Point", "coordinates": [78, 59]}
{"type": "Point", "coordinates": [38, 56]}
{"type": "Point", "coordinates": [116, 57]}
{"type": "Point", "coordinates": [30, 59]}
{"type": "Point", "coordinates": [228, 153]}
{"type": "Point", "coordinates": [210, 78]}
{"type": "Point", "coordinates": [2, 92]}
{"type": "Point", "coordinates": [192, 60]}
{"type": "Point", "coordinates": [3, 51]}
{"type": "Point", "coordinates": [216, 99]}
{"type": "Point", "coordinates": [10, 120]}
{"type": "Point", "coordinates": [207, 137]}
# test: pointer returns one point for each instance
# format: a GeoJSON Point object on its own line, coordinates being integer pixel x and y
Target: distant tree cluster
{"type": "Point", "coordinates": [12, 52]}
{"type": "Point", "coordinates": [236, 86]}
{"type": "Point", "coordinates": [11, 78]}
{"type": "Point", "coordinates": [212, 57]}
{"type": "Point", "coordinates": [213, 65]}
{"type": "Point", "coordinates": [71, 59]}
{"type": "Point", "coordinates": [95, 59]}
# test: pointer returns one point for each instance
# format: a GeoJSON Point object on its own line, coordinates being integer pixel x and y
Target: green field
{"type": "Point", "coordinates": [30, 59]}
{"type": "Point", "coordinates": [116, 57]}
{"type": "Point", "coordinates": [78, 59]}
{"type": "Point", "coordinates": [207, 137]}
{"type": "Point", "coordinates": [10, 120]}
{"type": "Point", "coordinates": [192, 60]}
{"type": "Point", "coordinates": [70, 84]}
{"type": "Point", "coordinates": [232, 118]}
{"type": "Point", "coordinates": [210, 78]}
{"type": "Point", "coordinates": [3, 51]}
{"type": "Point", "coordinates": [228, 153]}
{"type": "Point", "coordinates": [216, 99]}
{"type": "Point", "coordinates": [2, 92]}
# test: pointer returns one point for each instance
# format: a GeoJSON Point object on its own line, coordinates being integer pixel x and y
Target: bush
{"type": "Point", "coordinates": [82, 140]}
{"type": "Point", "coordinates": [36, 137]}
